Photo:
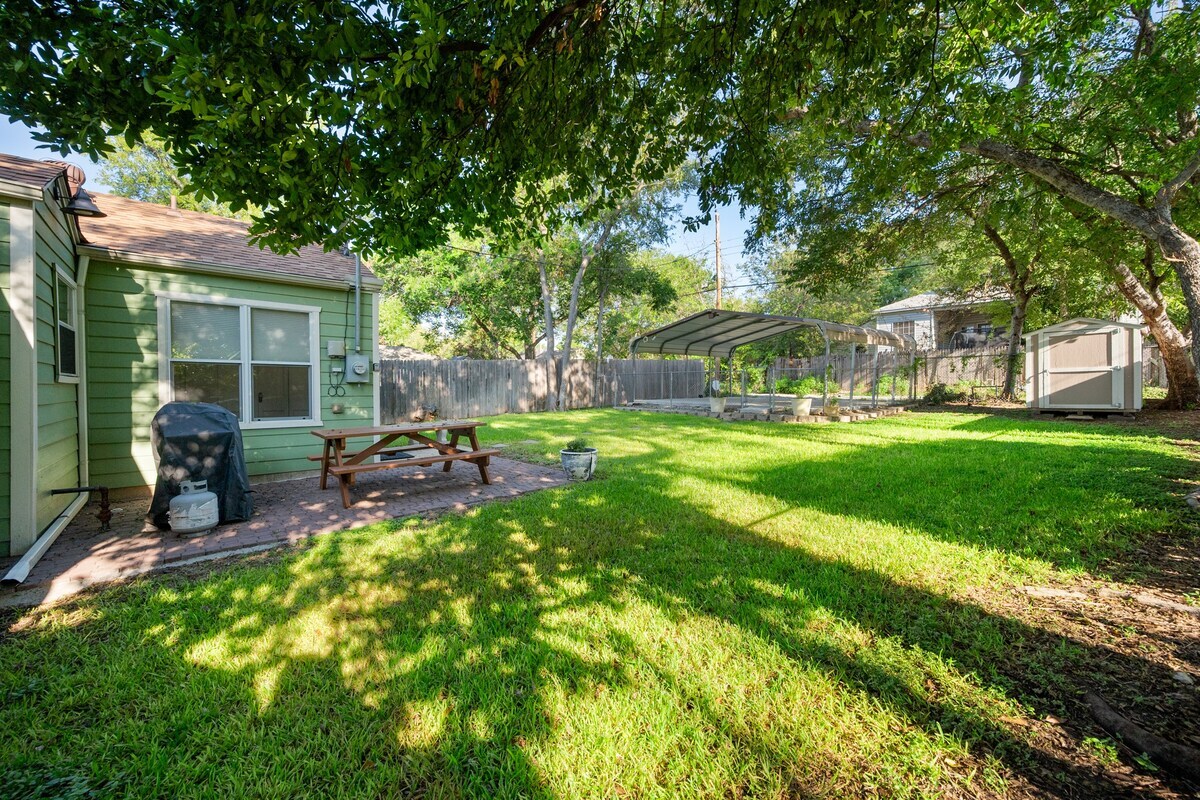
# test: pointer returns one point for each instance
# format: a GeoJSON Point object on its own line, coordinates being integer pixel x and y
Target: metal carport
{"type": "Point", "coordinates": [718, 333]}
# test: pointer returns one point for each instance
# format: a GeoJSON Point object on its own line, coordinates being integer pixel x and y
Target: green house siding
{"type": "Point", "coordinates": [57, 412]}
{"type": "Point", "coordinates": [5, 375]}
{"type": "Point", "coordinates": [123, 368]}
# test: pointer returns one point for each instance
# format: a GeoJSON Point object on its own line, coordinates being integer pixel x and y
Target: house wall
{"type": "Point", "coordinates": [947, 323]}
{"type": "Point", "coordinates": [5, 373]}
{"type": "Point", "coordinates": [923, 328]}
{"type": "Point", "coordinates": [57, 406]}
{"type": "Point", "coordinates": [123, 368]}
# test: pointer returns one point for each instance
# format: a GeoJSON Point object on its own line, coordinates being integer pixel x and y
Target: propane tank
{"type": "Point", "coordinates": [194, 509]}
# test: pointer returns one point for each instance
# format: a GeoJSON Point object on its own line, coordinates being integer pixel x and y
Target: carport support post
{"type": "Point", "coordinates": [743, 388]}
{"type": "Point", "coordinates": [912, 375]}
{"type": "Point", "coordinates": [895, 369]}
{"type": "Point", "coordinates": [875, 376]}
{"type": "Point", "coordinates": [853, 354]}
{"type": "Point", "coordinates": [771, 389]}
{"type": "Point", "coordinates": [670, 383]}
{"type": "Point", "coordinates": [825, 374]}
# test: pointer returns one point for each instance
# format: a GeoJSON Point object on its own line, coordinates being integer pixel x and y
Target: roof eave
{"type": "Point", "coordinates": [20, 190]}
{"type": "Point", "coordinates": [126, 257]}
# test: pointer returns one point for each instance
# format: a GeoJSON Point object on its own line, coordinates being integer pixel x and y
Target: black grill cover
{"type": "Point", "coordinates": [199, 442]}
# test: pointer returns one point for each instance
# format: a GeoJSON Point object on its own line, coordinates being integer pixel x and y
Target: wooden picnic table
{"type": "Point", "coordinates": [344, 466]}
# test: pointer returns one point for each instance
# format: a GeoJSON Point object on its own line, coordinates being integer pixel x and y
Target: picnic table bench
{"type": "Point", "coordinates": [344, 465]}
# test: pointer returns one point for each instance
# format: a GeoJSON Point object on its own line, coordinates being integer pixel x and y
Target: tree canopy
{"type": "Point", "coordinates": [146, 172]}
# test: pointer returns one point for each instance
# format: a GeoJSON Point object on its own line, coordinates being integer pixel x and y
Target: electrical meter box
{"type": "Point", "coordinates": [358, 368]}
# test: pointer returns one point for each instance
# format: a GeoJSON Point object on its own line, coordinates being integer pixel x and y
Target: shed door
{"type": "Point", "coordinates": [1082, 369]}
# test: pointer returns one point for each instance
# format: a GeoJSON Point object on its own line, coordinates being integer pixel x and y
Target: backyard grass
{"type": "Point", "coordinates": [727, 610]}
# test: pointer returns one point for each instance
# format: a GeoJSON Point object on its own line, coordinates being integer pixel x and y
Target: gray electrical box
{"type": "Point", "coordinates": [358, 368]}
{"type": "Point", "coordinates": [337, 348]}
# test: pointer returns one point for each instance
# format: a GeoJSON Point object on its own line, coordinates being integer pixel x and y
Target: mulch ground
{"type": "Point", "coordinates": [1137, 627]}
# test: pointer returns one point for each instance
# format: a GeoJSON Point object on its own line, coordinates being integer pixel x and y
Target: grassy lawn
{"type": "Point", "coordinates": [728, 610]}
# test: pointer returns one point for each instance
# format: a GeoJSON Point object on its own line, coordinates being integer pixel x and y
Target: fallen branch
{"type": "Point", "coordinates": [1178, 758]}
{"type": "Point", "coordinates": [1113, 594]}
{"type": "Point", "coordinates": [1151, 600]}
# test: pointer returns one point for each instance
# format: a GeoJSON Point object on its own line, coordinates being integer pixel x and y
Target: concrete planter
{"type": "Point", "coordinates": [801, 406]}
{"type": "Point", "coordinates": [717, 404]}
{"type": "Point", "coordinates": [579, 466]}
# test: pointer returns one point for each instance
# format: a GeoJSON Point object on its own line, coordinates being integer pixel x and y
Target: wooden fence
{"type": "Point", "coordinates": [463, 388]}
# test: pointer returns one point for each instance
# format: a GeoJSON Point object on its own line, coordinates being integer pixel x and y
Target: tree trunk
{"type": "Point", "coordinates": [1183, 387]}
{"type": "Point", "coordinates": [599, 347]}
{"type": "Point", "coordinates": [1013, 356]}
{"type": "Point", "coordinates": [1018, 285]}
{"type": "Point", "coordinates": [1181, 250]}
{"type": "Point", "coordinates": [548, 319]}
{"type": "Point", "coordinates": [573, 310]}
{"type": "Point", "coordinates": [564, 359]}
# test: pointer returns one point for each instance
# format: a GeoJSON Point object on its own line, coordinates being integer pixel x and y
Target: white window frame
{"type": "Point", "coordinates": [166, 391]}
{"type": "Point", "coordinates": [61, 276]}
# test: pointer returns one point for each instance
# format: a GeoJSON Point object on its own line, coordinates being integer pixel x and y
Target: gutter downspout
{"type": "Point", "coordinates": [357, 303]}
{"type": "Point", "coordinates": [20, 570]}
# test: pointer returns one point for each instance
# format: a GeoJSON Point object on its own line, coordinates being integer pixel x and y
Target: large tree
{"type": "Point", "coordinates": [1099, 107]}
{"type": "Point", "coordinates": [146, 171]}
{"type": "Point", "coordinates": [386, 124]}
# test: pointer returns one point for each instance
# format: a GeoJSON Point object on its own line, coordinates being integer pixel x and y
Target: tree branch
{"type": "Point", "coordinates": [1166, 195]}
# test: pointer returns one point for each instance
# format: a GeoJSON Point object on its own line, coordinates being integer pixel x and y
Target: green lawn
{"type": "Point", "coordinates": [728, 610]}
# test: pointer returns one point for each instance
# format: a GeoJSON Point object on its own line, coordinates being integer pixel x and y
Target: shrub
{"type": "Point", "coordinates": [940, 393]}
{"type": "Point", "coordinates": [577, 446]}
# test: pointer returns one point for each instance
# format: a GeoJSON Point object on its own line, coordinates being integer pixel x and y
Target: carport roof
{"type": "Point", "coordinates": [717, 332]}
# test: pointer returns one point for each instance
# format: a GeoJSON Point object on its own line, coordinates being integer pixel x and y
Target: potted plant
{"type": "Point", "coordinates": [830, 408]}
{"type": "Point", "coordinates": [717, 399]}
{"type": "Point", "coordinates": [801, 406]}
{"type": "Point", "coordinates": [578, 460]}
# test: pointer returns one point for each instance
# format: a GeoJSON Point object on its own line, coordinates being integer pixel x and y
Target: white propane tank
{"type": "Point", "coordinates": [194, 510]}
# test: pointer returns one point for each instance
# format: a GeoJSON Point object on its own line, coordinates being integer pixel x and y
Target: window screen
{"type": "Point", "coordinates": [206, 332]}
{"type": "Point", "coordinates": [279, 336]}
{"type": "Point", "coordinates": [262, 371]}
{"type": "Point", "coordinates": [65, 313]}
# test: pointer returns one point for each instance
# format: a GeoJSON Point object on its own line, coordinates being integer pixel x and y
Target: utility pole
{"type": "Point", "coordinates": [720, 280]}
{"type": "Point", "coordinates": [717, 243]}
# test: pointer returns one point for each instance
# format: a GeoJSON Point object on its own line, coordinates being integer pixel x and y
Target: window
{"type": "Point", "coordinates": [907, 328]}
{"type": "Point", "coordinates": [66, 301]}
{"type": "Point", "coordinates": [257, 360]}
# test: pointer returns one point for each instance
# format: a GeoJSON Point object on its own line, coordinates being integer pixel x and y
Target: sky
{"type": "Point", "coordinates": [17, 139]}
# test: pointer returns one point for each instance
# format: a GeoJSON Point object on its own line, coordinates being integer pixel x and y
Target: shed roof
{"type": "Point", "coordinates": [1080, 323]}
{"type": "Point", "coordinates": [717, 332]}
{"type": "Point", "coordinates": [135, 229]}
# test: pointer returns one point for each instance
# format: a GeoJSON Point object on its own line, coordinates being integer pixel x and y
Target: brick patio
{"type": "Point", "coordinates": [285, 512]}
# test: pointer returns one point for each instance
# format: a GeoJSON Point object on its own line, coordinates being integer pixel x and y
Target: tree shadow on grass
{"type": "Point", "coordinates": [474, 658]}
{"type": "Point", "coordinates": [1070, 503]}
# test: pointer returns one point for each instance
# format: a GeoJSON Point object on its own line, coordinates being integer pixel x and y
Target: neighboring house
{"type": "Point", "coordinates": [106, 318]}
{"type": "Point", "coordinates": [944, 321]}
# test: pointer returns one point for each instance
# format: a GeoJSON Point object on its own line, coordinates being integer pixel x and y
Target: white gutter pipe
{"type": "Point", "coordinates": [20, 570]}
{"type": "Point", "coordinates": [357, 302]}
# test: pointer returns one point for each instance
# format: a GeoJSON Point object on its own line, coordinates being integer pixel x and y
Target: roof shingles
{"type": "Point", "coordinates": [27, 172]}
{"type": "Point", "coordinates": [134, 228]}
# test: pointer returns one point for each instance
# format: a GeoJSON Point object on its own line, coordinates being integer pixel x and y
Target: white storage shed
{"type": "Point", "coordinates": [1084, 365]}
